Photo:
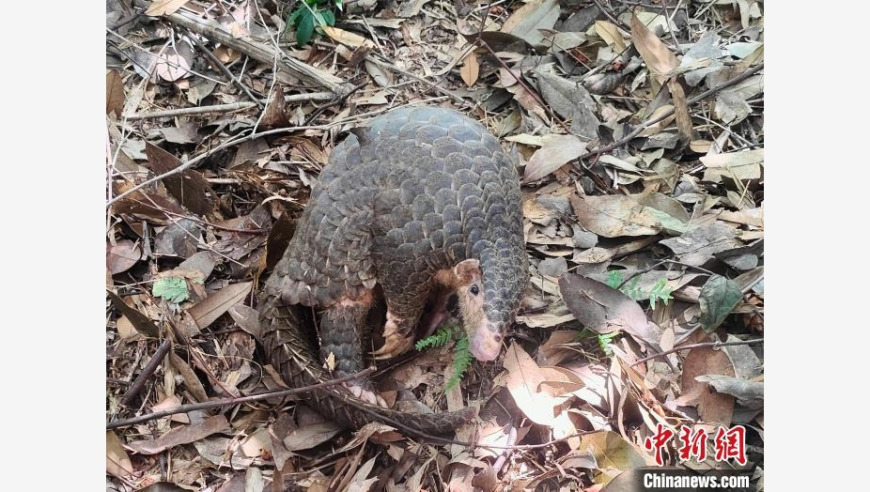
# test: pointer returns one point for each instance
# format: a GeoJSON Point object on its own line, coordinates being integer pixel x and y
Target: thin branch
{"type": "Point", "coordinates": [223, 108]}
{"type": "Point", "coordinates": [146, 373]}
{"type": "Point", "coordinates": [667, 114]}
{"type": "Point", "coordinates": [232, 401]}
{"type": "Point", "coordinates": [698, 345]}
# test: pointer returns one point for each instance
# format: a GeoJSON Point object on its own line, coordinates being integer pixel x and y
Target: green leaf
{"type": "Point", "coordinates": [605, 340]}
{"type": "Point", "coordinates": [305, 29]}
{"type": "Point", "coordinates": [631, 289]}
{"type": "Point", "coordinates": [327, 17]}
{"type": "Point", "coordinates": [173, 289]}
{"type": "Point", "coordinates": [659, 291]}
{"type": "Point", "coordinates": [718, 298]}
{"type": "Point", "coordinates": [614, 278]}
{"type": "Point", "coordinates": [439, 338]}
{"type": "Point", "coordinates": [294, 17]}
{"type": "Point", "coordinates": [461, 361]}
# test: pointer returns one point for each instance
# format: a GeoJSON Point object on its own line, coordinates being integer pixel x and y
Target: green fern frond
{"type": "Point", "coordinates": [439, 338]}
{"type": "Point", "coordinates": [461, 362]}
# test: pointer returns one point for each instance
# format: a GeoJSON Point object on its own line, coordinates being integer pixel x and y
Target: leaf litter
{"type": "Point", "coordinates": [641, 142]}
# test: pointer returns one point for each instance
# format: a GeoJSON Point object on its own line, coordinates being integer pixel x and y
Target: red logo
{"type": "Point", "coordinates": [728, 444]}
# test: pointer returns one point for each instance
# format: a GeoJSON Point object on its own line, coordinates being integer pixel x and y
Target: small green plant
{"type": "Point", "coordinates": [659, 291]}
{"type": "Point", "coordinates": [173, 289]}
{"type": "Point", "coordinates": [310, 14]}
{"type": "Point", "coordinates": [605, 340]}
{"type": "Point", "coordinates": [461, 352]}
{"type": "Point", "coordinates": [437, 339]}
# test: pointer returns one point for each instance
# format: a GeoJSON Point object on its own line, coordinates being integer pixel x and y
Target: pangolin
{"type": "Point", "coordinates": [421, 201]}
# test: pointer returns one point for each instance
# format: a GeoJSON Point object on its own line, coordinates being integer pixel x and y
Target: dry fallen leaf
{"type": "Point", "coordinates": [181, 435]}
{"type": "Point", "coordinates": [529, 19]}
{"type": "Point", "coordinates": [470, 69]}
{"type": "Point", "coordinates": [346, 37]}
{"type": "Point", "coordinates": [603, 309]}
{"type": "Point", "coordinates": [615, 216]}
{"type": "Point", "coordinates": [114, 93]}
{"type": "Point", "coordinates": [123, 255]}
{"type": "Point", "coordinates": [557, 151]}
{"type": "Point", "coordinates": [117, 461]}
{"type": "Point", "coordinates": [311, 436]}
{"type": "Point", "coordinates": [524, 378]}
{"type": "Point", "coordinates": [164, 7]}
{"type": "Point", "coordinates": [206, 311]}
{"type": "Point", "coordinates": [655, 54]}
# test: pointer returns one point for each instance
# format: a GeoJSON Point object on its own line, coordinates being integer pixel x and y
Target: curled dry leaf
{"type": "Point", "coordinates": [612, 453]}
{"type": "Point", "coordinates": [114, 93]}
{"type": "Point", "coordinates": [529, 19]}
{"type": "Point", "coordinates": [557, 151]}
{"type": "Point", "coordinates": [713, 407]}
{"type": "Point", "coordinates": [122, 256]}
{"type": "Point", "coordinates": [164, 7]}
{"type": "Point", "coordinates": [470, 70]}
{"type": "Point", "coordinates": [699, 245]}
{"type": "Point", "coordinates": [140, 322]}
{"type": "Point", "coordinates": [523, 380]}
{"type": "Point", "coordinates": [657, 56]}
{"type": "Point", "coordinates": [346, 37]}
{"type": "Point", "coordinates": [605, 310]}
{"type": "Point", "coordinates": [181, 435]}
{"type": "Point", "coordinates": [615, 216]}
{"type": "Point", "coordinates": [117, 461]}
{"type": "Point", "coordinates": [311, 436]}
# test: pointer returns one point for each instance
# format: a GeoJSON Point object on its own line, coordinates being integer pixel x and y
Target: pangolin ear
{"type": "Point", "coordinates": [467, 271]}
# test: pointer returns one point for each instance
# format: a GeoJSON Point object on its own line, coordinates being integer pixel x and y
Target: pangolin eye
{"type": "Point", "coordinates": [474, 289]}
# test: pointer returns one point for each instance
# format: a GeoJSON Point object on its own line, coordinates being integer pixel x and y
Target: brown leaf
{"type": "Point", "coordinates": [610, 34]}
{"type": "Point", "coordinates": [524, 379]}
{"type": "Point", "coordinates": [246, 318]}
{"type": "Point", "coordinates": [614, 216]}
{"type": "Point", "coordinates": [699, 245]}
{"type": "Point", "coordinates": [206, 311]}
{"type": "Point", "coordinates": [114, 93]}
{"type": "Point", "coordinates": [657, 56]}
{"type": "Point", "coordinates": [122, 256]}
{"type": "Point", "coordinates": [191, 381]}
{"type": "Point", "coordinates": [181, 435]}
{"type": "Point", "coordinates": [470, 70]}
{"type": "Point", "coordinates": [311, 436]}
{"type": "Point", "coordinates": [605, 310]}
{"type": "Point", "coordinates": [274, 115]}
{"type": "Point", "coordinates": [713, 407]}
{"type": "Point", "coordinates": [164, 7]}
{"type": "Point", "coordinates": [189, 187]}
{"type": "Point", "coordinates": [570, 100]}
{"type": "Point", "coordinates": [346, 37]}
{"type": "Point", "coordinates": [149, 205]}
{"type": "Point", "coordinates": [141, 323]}
{"type": "Point", "coordinates": [502, 41]}
{"type": "Point", "coordinates": [612, 453]}
{"type": "Point", "coordinates": [529, 19]}
{"type": "Point", "coordinates": [117, 461]}
{"type": "Point", "coordinates": [556, 152]}
{"type": "Point", "coordinates": [681, 110]}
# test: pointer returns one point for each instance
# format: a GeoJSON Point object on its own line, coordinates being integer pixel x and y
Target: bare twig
{"type": "Point", "coordinates": [241, 399]}
{"type": "Point", "coordinates": [223, 108]}
{"type": "Point", "coordinates": [146, 373]}
{"type": "Point", "coordinates": [667, 114]}
{"type": "Point", "coordinates": [217, 63]}
{"type": "Point", "coordinates": [698, 345]}
{"type": "Point", "coordinates": [257, 51]}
